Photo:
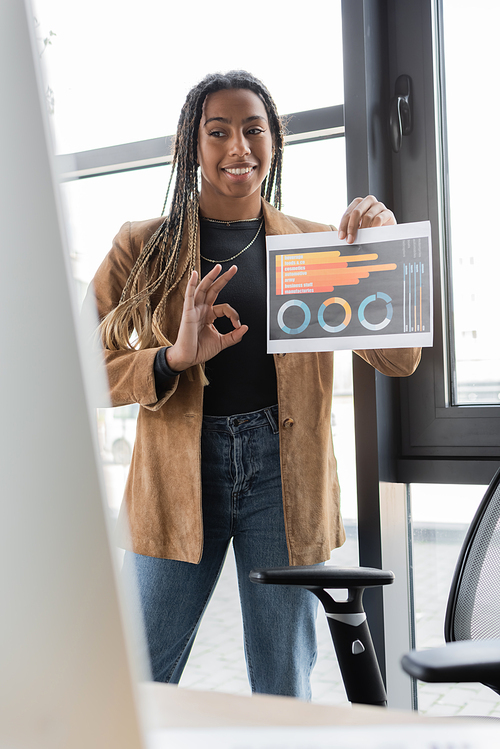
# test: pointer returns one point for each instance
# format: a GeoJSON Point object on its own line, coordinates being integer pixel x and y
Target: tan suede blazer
{"type": "Point", "coordinates": [162, 500]}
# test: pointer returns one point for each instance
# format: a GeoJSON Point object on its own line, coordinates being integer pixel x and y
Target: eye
{"type": "Point", "coordinates": [216, 133]}
{"type": "Point", "coordinates": [256, 131]}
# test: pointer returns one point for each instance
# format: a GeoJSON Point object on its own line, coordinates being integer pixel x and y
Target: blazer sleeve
{"type": "Point", "coordinates": [394, 362]}
{"type": "Point", "coordinates": [130, 373]}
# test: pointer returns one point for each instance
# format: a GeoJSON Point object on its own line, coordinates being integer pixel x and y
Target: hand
{"type": "Point", "coordinates": [363, 213]}
{"type": "Point", "coordinates": [198, 339]}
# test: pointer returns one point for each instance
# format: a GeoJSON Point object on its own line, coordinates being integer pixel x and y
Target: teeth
{"type": "Point", "coordinates": [239, 171]}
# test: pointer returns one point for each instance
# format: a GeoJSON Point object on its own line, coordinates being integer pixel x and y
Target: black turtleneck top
{"type": "Point", "coordinates": [242, 378]}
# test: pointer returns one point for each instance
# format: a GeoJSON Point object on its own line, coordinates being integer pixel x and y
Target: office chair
{"type": "Point", "coordinates": [346, 620]}
{"type": "Point", "coordinates": [472, 621]}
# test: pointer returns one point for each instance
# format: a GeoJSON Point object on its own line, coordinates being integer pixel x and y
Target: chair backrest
{"type": "Point", "coordinates": [473, 611]}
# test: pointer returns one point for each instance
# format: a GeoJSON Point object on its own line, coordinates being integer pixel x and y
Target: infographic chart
{"type": "Point", "coordinates": [324, 294]}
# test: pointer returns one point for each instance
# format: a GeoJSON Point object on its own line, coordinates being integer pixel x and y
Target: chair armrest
{"type": "Point", "coordinates": [346, 619]}
{"type": "Point", "coordinates": [317, 576]}
{"type": "Point", "coordinates": [469, 660]}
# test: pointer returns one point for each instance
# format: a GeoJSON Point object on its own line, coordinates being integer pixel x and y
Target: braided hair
{"type": "Point", "coordinates": [158, 262]}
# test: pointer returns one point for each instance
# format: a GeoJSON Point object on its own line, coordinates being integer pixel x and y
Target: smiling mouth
{"type": "Point", "coordinates": [237, 171]}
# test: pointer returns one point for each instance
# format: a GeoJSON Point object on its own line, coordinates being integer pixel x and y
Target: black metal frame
{"type": "Point", "coordinates": [366, 88]}
{"type": "Point", "coordinates": [426, 438]}
{"type": "Point", "coordinates": [441, 442]}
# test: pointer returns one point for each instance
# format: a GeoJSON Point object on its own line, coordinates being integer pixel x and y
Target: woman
{"type": "Point", "coordinates": [221, 420]}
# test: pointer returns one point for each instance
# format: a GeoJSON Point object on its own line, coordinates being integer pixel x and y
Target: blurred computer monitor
{"type": "Point", "coordinates": [66, 672]}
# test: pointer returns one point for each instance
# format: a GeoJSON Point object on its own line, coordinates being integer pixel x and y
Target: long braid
{"type": "Point", "coordinates": [158, 262]}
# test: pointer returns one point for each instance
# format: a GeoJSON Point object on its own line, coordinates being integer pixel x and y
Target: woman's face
{"type": "Point", "coordinates": [234, 151]}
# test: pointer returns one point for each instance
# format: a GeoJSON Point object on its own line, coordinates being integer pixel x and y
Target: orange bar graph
{"type": "Point", "coordinates": [323, 271]}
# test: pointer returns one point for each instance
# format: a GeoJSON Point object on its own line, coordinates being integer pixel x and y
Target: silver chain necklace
{"type": "Point", "coordinates": [209, 260]}
{"type": "Point", "coordinates": [228, 223]}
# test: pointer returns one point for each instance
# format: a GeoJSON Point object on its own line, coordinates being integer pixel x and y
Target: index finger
{"type": "Point", "coordinates": [190, 290]}
{"type": "Point", "coordinates": [344, 221]}
{"type": "Point", "coordinates": [364, 213]}
{"type": "Point", "coordinates": [354, 215]}
{"type": "Point", "coordinates": [209, 287]}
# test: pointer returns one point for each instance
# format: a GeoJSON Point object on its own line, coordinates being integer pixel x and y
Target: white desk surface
{"type": "Point", "coordinates": [188, 719]}
{"type": "Point", "coordinates": [167, 706]}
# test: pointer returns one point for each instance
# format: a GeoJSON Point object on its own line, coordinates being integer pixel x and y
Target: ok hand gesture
{"type": "Point", "coordinates": [198, 339]}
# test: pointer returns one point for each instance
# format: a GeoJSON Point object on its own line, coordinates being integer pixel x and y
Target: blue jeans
{"type": "Point", "coordinates": [242, 500]}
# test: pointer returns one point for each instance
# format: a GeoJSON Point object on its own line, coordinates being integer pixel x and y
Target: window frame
{"type": "Point", "coordinates": [427, 438]}
{"type": "Point", "coordinates": [301, 127]}
{"type": "Point", "coordinates": [441, 442]}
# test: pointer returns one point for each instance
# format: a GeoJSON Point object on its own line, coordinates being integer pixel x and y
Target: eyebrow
{"type": "Point", "coordinates": [252, 118]}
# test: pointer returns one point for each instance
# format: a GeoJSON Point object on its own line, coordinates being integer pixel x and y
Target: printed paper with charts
{"type": "Point", "coordinates": [325, 294]}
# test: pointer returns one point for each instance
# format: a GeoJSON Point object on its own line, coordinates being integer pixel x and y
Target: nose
{"type": "Point", "coordinates": [239, 145]}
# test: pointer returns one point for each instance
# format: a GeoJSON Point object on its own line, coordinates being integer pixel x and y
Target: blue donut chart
{"type": "Point", "coordinates": [347, 318]}
{"type": "Point", "coordinates": [364, 304]}
{"type": "Point", "coordinates": [307, 316]}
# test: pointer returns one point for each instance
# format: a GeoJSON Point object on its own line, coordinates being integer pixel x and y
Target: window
{"type": "Point", "coordinates": [472, 163]}
{"type": "Point", "coordinates": [119, 72]}
{"type": "Point", "coordinates": [450, 432]}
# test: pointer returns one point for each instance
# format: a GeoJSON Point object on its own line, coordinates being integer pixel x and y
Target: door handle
{"type": "Point", "coordinates": [400, 112]}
